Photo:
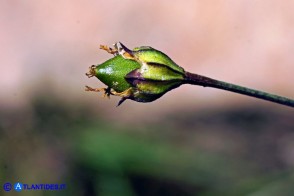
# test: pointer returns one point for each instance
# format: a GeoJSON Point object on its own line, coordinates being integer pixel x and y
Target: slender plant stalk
{"type": "Point", "coordinates": [209, 82]}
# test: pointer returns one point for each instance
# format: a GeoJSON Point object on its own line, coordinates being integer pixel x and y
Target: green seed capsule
{"type": "Point", "coordinates": [112, 72]}
{"type": "Point", "coordinates": [143, 74]}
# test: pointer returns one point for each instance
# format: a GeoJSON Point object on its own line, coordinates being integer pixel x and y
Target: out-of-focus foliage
{"type": "Point", "coordinates": [241, 151]}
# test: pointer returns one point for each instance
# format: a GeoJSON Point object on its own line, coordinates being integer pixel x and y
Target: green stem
{"type": "Point", "coordinates": [209, 82]}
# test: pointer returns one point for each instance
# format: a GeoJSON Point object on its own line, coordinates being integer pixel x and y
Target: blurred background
{"type": "Point", "coordinates": [192, 141]}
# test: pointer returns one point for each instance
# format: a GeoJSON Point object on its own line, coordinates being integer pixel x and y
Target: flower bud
{"type": "Point", "coordinates": [143, 74]}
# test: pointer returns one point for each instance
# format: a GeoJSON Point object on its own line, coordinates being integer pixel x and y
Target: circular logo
{"type": "Point", "coordinates": [18, 186]}
{"type": "Point", "coordinates": [7, 186]}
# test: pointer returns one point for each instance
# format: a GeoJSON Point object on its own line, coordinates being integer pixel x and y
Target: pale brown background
{"type": "Point", "coordinates": [49, 45]}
